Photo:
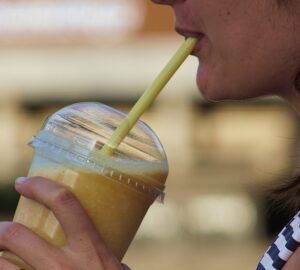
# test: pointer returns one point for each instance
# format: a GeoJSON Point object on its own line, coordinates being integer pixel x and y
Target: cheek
{"type": "Point", "coordinates": [226, 78]}
{"type": "Point", "coordinates": [236, 67]}
{"type": "Point", "coordinates": [238, 61]}
{"type": "Point", "coordinates": [249, 54]}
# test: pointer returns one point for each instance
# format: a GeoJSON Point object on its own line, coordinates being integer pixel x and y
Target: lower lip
{"type": "Point", "coordinates": [198, 46]}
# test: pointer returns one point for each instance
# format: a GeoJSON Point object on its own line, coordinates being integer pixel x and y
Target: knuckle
{"type": "Point", "coordinates": [33, 179]}
{"type": "Point", "coordinates": [86, 248]}
{"type": "Point", "coordinates": [57, 260]}
{"type": "Point", "coordinates": [63, 197]}
{"type": "Point", "coordinates": [57, 265]}
{"type": "Point", "coordinates": [60, 265]}
{"type": "Point", "coordinates": [12, 231]}
{"type": "Point", "coordinates": [109, 260]}
{"type": "Point", "coordinates": [91, 257]}
{"type": "Point", "coordinates": [3, 264]}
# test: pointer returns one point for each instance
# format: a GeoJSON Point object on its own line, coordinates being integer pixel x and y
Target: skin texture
{"type": "Point", "coordinates": [294, 262]}
{"type": "Point", "coordinates": [248, 48]}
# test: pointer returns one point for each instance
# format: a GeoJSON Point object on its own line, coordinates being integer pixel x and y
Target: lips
{"type": "Point", "coordinates": [162, 2]}
{"type": "Point", "coordinates": [190, 33]}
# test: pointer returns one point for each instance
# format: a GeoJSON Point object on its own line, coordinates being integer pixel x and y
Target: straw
{"type": "Point", "coordinates": [149, 96]}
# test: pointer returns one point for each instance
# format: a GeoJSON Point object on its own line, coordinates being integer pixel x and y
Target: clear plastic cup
{"type": "Point", "coordinates": [116, 190]}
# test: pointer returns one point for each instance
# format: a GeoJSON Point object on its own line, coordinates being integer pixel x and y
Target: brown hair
{"type": "Point", "coordinates": [287, 195]}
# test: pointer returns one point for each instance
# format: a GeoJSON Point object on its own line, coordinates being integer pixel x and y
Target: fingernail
{"type": "Point", "coordinates": [21, 180]}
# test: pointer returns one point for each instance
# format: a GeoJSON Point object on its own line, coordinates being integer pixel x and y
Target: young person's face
{"type": "Point", "coordinates": [246, 48]}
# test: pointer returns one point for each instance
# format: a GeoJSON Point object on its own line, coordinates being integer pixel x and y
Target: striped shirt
{"type": "Point", "coordinates": [284, 246]}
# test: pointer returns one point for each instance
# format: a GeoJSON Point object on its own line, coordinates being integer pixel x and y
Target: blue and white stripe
{"type": "Point", "coordinates": [284, 246]}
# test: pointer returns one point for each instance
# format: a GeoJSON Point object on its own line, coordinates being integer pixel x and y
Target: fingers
{"type": "Point", "coordinates": [6, 265]}
{"type": "Point", "coordinates": [65, 206]}
{"type": "Point", "coordinates": [85, 248]}
{"type": "Point", "coordinates": [24, 243]}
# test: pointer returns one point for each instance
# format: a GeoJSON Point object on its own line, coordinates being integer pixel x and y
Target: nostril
{"type": "Point", "coordinates": [164, 2]}
{"type": "Point", "coordinates": [167, 2]}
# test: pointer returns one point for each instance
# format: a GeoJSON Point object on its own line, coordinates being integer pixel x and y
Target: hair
{"type": "Point", "coordinates": [287, 194]}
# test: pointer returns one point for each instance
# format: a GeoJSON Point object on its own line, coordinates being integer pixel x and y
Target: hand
{"type": "Point", "coordinates": [85, 249]}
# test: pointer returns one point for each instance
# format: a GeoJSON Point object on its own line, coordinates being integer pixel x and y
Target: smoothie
{"type": "Point", "coordinates": [116, 207]}
{"type": "Point", "coordinates": [115, 190]}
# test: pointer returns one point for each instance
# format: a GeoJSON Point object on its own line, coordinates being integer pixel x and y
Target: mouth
{"type": "Point", "coordinates": [188, 33]}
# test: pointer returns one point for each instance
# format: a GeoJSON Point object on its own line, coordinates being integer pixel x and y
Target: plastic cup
{"type": "Point", "coordinates": [115, 190]}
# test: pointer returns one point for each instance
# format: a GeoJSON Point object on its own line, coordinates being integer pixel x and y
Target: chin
{"type": "Point", "coordinates": [218, 91]}
{"type": "Point", "coordinates": [213, 93]}
{"type": "Point", "coordinates": [209, 96]}
{"type": "Point", "coordinates": [210, 89]}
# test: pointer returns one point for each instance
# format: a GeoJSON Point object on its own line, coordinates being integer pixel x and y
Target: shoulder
{"type": "Point", "coordinates": [294, 262]}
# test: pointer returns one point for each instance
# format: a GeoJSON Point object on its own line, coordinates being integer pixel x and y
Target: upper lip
{"type": "Point", "coordinates": [188, 33]}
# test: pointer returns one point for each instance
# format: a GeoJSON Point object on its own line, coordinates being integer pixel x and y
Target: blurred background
{"type": "Point", "coordinates": [223, 156]}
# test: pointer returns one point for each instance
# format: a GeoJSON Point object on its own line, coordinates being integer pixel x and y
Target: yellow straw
{"type": "Point", "coordinates": [149, 96]}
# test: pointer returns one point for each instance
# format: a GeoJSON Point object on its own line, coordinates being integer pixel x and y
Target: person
{"type": "Point", "coordinates": [247, 49]}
